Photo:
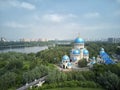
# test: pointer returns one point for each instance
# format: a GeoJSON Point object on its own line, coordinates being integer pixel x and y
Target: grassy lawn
{"type": "Point", "coordinates": [77, 88]}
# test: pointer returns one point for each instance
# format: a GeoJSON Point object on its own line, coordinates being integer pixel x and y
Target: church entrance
{"type": "Point", "coordinates": [64, 66]}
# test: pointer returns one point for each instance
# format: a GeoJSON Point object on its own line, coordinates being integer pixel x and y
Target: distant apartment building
{"type": "Point", "coordinates": [25, 40]}
{"type": "Point", "coordinates": [43, 40]}
{"type": "Point", "coordinates": [2, 39]}
{"type": "Point", "coordinates": [114, 40]}
{"type": "Point", "coordinates": [33, 40]}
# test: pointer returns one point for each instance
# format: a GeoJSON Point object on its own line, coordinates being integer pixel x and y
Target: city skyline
{"type": "Point", "coordinates": [61, 19]}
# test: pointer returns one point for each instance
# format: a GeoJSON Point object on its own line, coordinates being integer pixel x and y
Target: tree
{"type": "Point", "coordinates": [118, 50]}
{"type": "Point", "coordinates": [8, 80]}
{"type": "Point", "coordinates": [109, 80]}
{"type": "Point", "coordinates": [82, 63]}
{"type": "Point", "coordinates": [14, 64]}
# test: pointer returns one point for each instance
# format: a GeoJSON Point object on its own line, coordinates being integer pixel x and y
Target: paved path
{"type": "Point", "coordinates": [32, 83]}
{"type": "Point", "coordinates": [73, 68]}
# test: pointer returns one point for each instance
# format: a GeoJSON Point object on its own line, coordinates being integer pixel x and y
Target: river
{"type": "Point", "coordinates": [25, 49]}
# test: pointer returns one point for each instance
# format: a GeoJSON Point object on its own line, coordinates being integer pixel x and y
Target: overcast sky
{"type": "Point", "coordinates": [61, 19]}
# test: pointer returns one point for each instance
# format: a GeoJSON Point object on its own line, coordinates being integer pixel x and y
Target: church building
{"type": "Point", "coordinates": [78, 53]}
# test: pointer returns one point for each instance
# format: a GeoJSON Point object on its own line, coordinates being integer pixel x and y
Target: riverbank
{"type": "Point", "coordinates": [34, 49]}
{"type": "Point", "coordinates": [12, 44]}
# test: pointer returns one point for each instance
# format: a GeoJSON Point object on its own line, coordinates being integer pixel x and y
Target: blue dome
{"type": "Point", "coordinates": [92, 63]}
{"type": "Point", "coordinates": [93, 58]}
{"type": "Point", "coordinates": [85, 52]}
{"type": "Point", "coordinates": [65, 57]}
{"type": "Point", "coordinates": [74, 59]}
{"type": "Point", "coordinates": [76, 51]}
{"type": "Point", "coordinates": [78, 40]}
{"type": "Point", "coordinates": [102, 49]}
{"type": "Point", "coordinates": [102, 52]}
{"type": "Point", "coordinates": [69, 64]}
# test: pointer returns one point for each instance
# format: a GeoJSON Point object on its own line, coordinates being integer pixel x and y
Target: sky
{"type": "Point", "coordinates": [59, 19]}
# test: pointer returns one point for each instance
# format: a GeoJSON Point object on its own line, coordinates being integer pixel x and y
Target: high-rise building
{"type": "Point", "coordinates": [114, 40]}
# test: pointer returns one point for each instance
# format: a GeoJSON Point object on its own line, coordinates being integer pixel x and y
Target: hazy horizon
{"type": "Point", "coordinates": [60, 19]}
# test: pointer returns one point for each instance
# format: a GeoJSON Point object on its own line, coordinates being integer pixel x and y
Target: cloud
{"type": "Point", "coordinates": [17, 4]}
{"type": "Point", "coordinates": [71, 15]}
{"type": "Point", "coordinates": [27, 6]}
{"type": "Point", "coordinates": [92, 15]}
{"type": "Point", "coordinates": [67, 30]}
{"type": "Point", "coordinates": [102, 26]}
{"type": "Point", "coordinates": [57, 17]}
{"type": "Point", "coordinates": [14, 25]}
{"type": "Point", "coordinates": [53, 17]}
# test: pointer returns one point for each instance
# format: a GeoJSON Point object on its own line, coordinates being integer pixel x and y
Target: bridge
{"type": "Point", "coordinates": [36, 82]}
